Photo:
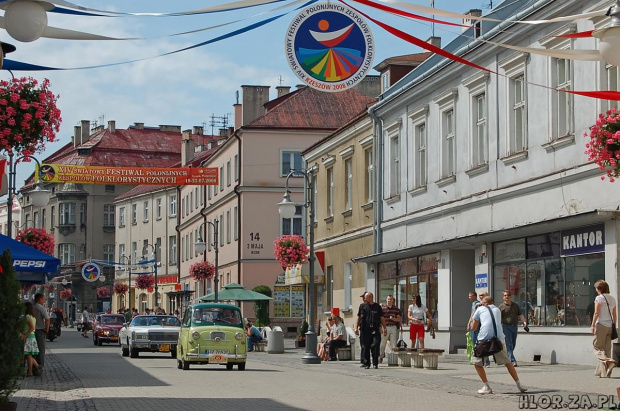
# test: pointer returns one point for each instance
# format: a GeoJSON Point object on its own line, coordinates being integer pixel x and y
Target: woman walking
{"type": "Point", "coordinates": [604, 315]}
{"type": "Point", "coordinates": [416, 314]}
{"type": "Point", "coordinates": [30, 347]}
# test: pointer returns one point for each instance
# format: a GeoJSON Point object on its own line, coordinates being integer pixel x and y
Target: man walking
{"type": "Point", "coordinates": [371, 321]}
{"type": "Point", "coordinates": [393, 319]}
{"type": "Point", "coordinates": [484, 316]}
{"type": "Point", "coordinates": [85, 322]}
{"type": "Point", "coordinates": [510, 317]}
{"type": "Point", "coordinates": [337, 337]}
{"type": "Point", "coordinates": [42, 326]}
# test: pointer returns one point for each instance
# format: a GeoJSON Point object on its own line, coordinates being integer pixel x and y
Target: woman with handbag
{"type": "Point", "coordinates": [416, 314]}
{"type": "Point", "coordinates": [604, 329]}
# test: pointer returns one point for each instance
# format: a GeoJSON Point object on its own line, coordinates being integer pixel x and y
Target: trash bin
{"type": "Point", "coordinates": [615, 352]}
{"type": "Point", "coordinates": [275, 341]}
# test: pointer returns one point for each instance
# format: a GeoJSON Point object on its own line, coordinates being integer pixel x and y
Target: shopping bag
{"type": "Point", "coordinates": [470, 346]}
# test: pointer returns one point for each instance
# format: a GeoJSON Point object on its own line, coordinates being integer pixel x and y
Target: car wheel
{"type": "Point", "coordinates": [241, 366]}
{"type": "Point", "coordinates": [229, 366]}
{"type": "Point", "coordinates": [94, 340]}
{"type": "Point", "coordinates": [179, 365]}
{"type": "Point", "coordinates": [99, 342]}
{"type": "Point", "coordinates": [133, 353]}
{"type": "Point", "coordinates": [185, 364]}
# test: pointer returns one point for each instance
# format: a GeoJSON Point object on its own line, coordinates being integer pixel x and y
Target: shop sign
{"type": "Point", "coordinates": [482, 280]}
{"type": "Point", "coordinates": [583, 240]}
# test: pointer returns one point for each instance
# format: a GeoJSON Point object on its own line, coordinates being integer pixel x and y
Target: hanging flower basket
{"type": "Point", "coordinates": [202, 270]}
{"type": "Point", "coordinates": [103, 292]}
{"type": "Point", "coordinates": [120, 287]}
{"type": "Point", "coordinates": [37, 238]}
{"type": "Point", "coordinates": [145, 281]}
{"type": "Point", "coordinates": [29, 116]}
{"type": "Point", "coordinates": [604, 145]}
{"type": "Point", "coordinates": [290, 250]}
{"type": "Point", "coordinates": [65, 294]}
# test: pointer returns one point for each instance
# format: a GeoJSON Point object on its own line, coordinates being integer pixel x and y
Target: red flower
{"type": "Point", "coordinates": [103, 292]}
{"type": "Point", "coordinates": [202, 270]}
{"type": "Point", "coordinates": [37, 238]}
{"type": "Point", "coordinates": [290, 250]}
{"type": "Point", "coordinates": [120, 287]}
{"type": "Point", "coordinates": [145, 281]}
{"type": "Point", "coordinates": [65, 294]}
{"type": "Point", "coordinates": [604, 145]}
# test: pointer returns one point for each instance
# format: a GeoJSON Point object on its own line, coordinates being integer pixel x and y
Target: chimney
{"type": "Point", "coordinates": [138, 126]}
{"type": "Point", "coordinates": [187, 148]}
{"type": "Point", "coordinates": [237, 109]}
{"type": "Point", "coordinates": [282, 90]}
{"type": "Point", "coordinates": [85, 131]}
{"type": "Point", "coordinates": [112, 126]}
{"type": "Point", "coordinates": [435, 41]}
{"type": "Point", "coordinates": [298, 86]}
{"type": "Point", "coordinates": [223, 132]}
{"type": "Point", "coordinates": [254, 98]}
{"type": "Point", "coordinates": [198, 130]}
{"type": "Point", "coordinates": [167, 127]}
{"type": "Point", "coordinates": [77, 136]}
{"type": "Point", "coordinates": [213, 143]}
{"type": "Point", "coordinates": [473, 22]}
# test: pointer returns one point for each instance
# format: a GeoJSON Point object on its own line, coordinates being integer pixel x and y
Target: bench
{"type": "Point", "coordinates": [403, 358]}
{"type": "Point", "coordinates": [260, 346]}
{"type": "Point", "coordinates": [347, 353]}
{"type": "Point", "coordinates": [425, 357]}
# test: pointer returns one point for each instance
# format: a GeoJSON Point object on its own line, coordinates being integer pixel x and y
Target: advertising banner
{"type": "Point", "coordinates": [61, 173]}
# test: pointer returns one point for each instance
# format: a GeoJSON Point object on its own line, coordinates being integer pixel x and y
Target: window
{"type": "Point", "coordinates": [37, 222]}
{"type": "Point", "coordinates": [221, 178]}
{"type": "Point", "coordinates": [53, 217]}
{"type": "Point", "coordinates": [66, 253]}
{"type": "Point", "coordinates": [235, 224]}
{"type": "Point", "coordinates": [290, 160]}
{"type": "Point", "coordinates": [121, 216]}
{"type": "Point", "coordinates": [228, 173]}
{"type": "Point", "coordinates": [67, 214]}
{"type": "Point", "coordinates": [44, 218]}
{"type": "Point", "coordinates": [190, 246]}
{"type": "Point", "coordinates": [385, 81]}
{"type": "Point", "coordinates": [158, 208]}
{"type": "Point", "coordinates": [193, 244]}
{"type": "Point", "coordinates": [190, 202]}
{"type": "Point", "coordinates": [293, 226]}
{"type": "Point", "coordinates": [108, 252]}
{"type": "Point", "coordinates": [417, 124]}
{"type": "Point", "coordinates": [172, 206]}
{"type": "Point", "coordinates": [612, 74]}
{"type": "Point", "coordinates": [134, 214]}
{"type": "Point", "coordinates": [209, 236]}
{"type": "Point", "coordinates": [196, 197]}
{"type": "Point", "coordinates": [221, 230]}
{"type": "Point", "coordinates": [172, 249]}
{"type": "Point", "coordinates": [348, 167]}
{"type": "Point", "coordinates": [183, 207]}
{"type": "Point", "coordinates": [236, 167]}
{"type": "Point", "coordinates": [145, 211]}
{"type": "Point", "coordinates": [228, 226]}
{"type": "Point", "coordinates": [394, 176]}
{"type": "Point", "coordinates": [109, 188]}
{"type": "Point", "coordinates": [563, 113]}
{"type": "Point", "coordinates": [121, 251]}
{"type": "Point", "coordinates": [108, 215]}
{"type": "Point", "coordinates": [448, 143]}
{"type": "Point", "coordinates": [348, 285]}
{"type": "Point", "coordinates": [134, 252]}
{"type": "Point", "coordinates": [516, 98]}
{"type": "Point", "coordinates": [209, 192]}
{"type": "Point", "coordinates": [330, 192]}
{"type": "Point", "coordinates": [478, 141]}
{"type": "Point", "coordinates": [158, 249]}
{"type": "Point", "coordinates": [329, 287]}
{"type": "Point", "coordinates": [82, 214]}
{"type": "Point", "coordinates": [369, 177]}
{"type": "Point", "coordinates": [202, 195]}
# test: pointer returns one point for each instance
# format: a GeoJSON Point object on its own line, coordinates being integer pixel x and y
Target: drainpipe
{"type": "Point", "coordinates": [377, 153]}
{"type": "Point", "coordinates": [178, 230]}
{"type": "Point", "coordinates": [238, 194]}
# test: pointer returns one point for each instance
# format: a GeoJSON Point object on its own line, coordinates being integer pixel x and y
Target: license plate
{"type": "Point", "coordinates": [217, 359]}
{"type": "Point", "coordinates": [113, 338]}
{"type": "Point", "coordinates": [212, 352]}
{"type": "Point", "coordinates": [164, 348]}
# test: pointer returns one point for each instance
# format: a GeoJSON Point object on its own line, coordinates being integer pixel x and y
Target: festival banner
{"type": "Point", "coordinates": [61, 173]}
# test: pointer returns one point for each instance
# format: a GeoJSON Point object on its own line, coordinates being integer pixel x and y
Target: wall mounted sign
{"type": "Point", "coordinates": [329, 47]}
{"type": "Point", "coordinates": [583, 240]}
{"type": "Point", "coordinates": [91, 272]}
{"type": "Point", "coordinates": [61, 173]}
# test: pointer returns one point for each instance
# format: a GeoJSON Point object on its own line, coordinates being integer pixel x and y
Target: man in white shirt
{"type": "Point", "coordinates": [483, 317]}
{"type": "Point", "coordinates": [338, 337]}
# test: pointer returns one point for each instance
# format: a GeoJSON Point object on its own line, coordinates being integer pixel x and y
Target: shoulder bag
{"type": "Point", "coordinates": [491, 346]}
{"type": "Point", "coordinates": [401, 343]}
{"type": "Point", "coordinates": [614, 330]}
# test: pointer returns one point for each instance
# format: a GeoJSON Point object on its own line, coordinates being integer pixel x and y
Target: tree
{"type": "Point", "coordinates": [12, 323]}
{"type": "Point", "coordinates": [261, 308]}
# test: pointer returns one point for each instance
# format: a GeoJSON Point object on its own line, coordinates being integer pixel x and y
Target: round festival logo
{"type": "Point", "coordinates": [47, 172]}
{"type": "Point", "coordinates": [329, 47]}
{"type": "Point", "coordinates": [91, 272]}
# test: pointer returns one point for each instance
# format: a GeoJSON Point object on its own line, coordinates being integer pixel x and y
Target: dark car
{"type": "Point", "coordinates": [107, 327]}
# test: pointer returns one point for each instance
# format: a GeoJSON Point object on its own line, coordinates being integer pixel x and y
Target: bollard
{"type": "Point", "coordinates": [275, 342]}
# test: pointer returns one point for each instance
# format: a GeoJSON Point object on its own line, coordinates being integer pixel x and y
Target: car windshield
{"type": "Point", "coordinates": [155, 320]}
{"type": "Point", "coordinates": [216, 315]}
{"type": "Point", "coordinates": [117, 319]}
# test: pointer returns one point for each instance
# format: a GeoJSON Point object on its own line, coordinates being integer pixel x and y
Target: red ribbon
{"type": "Point", "coordinates": [405, 13]}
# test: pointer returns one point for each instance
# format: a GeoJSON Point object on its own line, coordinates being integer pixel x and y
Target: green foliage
{"type": "Point", "coordinates": [261, 308]}
{"type": "Point", "coordinates": [12, 323]}
{"type": "Point", "coordinates": [303, 329]}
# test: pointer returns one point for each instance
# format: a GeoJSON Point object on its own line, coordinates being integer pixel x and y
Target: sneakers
{"type": "Point", "coordinates": [485, 390]}
{"type": "Point", "coordinates": [375, 366]}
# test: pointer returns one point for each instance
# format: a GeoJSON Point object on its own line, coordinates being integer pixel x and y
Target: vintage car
{"type": "Point", "coordinates": [150, 333]}
{"type": "Point", "coordinates": [106, 328]}
{"type": "Point", "coordinates": [212, 333]}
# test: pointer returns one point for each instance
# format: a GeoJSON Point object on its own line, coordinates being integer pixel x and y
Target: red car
{"type": "Point", "coordinates": [106, 328]}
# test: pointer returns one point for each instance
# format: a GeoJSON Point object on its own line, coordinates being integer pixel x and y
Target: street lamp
{"type": "Point", "coordinates": [40, 196]}
{"type": "Point", "coordinates": [287, 210]}
{"type": "Point", "coordinates": [201, 247]}
{"type": "Point", "coordinates": [144, 249]}
{"type": "Point", "coordinates": [126, 260]}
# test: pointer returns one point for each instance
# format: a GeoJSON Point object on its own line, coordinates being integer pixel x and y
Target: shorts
{"type": "Point", "coordinates": [416, 331]}
{"type": "Point", "coordinates": [501, 358]}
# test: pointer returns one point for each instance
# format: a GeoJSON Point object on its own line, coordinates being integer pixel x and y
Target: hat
{"type": "Point", "coordinates": [7, 48]}
{"type": "Point", "coordinates": [363, 294]}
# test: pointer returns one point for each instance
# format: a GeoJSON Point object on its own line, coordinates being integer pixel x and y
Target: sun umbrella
{"type": "Point", "coordinates": [235, 292]}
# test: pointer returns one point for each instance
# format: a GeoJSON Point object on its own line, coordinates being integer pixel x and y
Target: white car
{"type": "Point", "coordinates": [150, 333]}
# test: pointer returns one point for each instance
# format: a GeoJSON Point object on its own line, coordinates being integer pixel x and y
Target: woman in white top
{"type": "Point", "coordinates": [416, 314]}
{"type": "Point", "coordinates": [604, 315]}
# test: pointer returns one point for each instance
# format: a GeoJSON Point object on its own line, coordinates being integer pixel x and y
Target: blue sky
{"type": "Point", "coordinates": [186, 88]}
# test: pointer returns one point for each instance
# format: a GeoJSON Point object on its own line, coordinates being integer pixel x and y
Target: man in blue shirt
{"type": "Point", "coordinates": [253, 334]}
{"type": "Point", "coordinates": [483, 317]}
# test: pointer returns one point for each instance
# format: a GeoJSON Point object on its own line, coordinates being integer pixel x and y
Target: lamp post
{"type": "Point", "coordinates": [144, 249]}
{"type": "Point", "coordinates": [122, 260]}
{"type": "Point", "coordinates": [286, 209]}
{"type": "Point", "coordinates": [40, 196]}
{"type": "Point", "coordinates": [201, 247]}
